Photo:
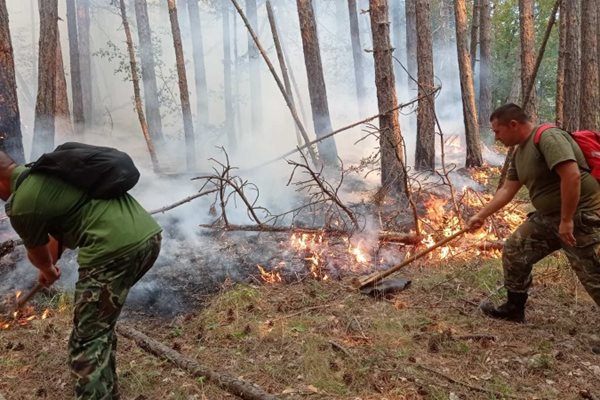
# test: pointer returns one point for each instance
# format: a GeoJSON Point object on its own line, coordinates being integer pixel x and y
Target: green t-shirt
{"type": "Point", "coordinates": [533, 166]}
{"type": "Point", "coordinates": [101, 229]}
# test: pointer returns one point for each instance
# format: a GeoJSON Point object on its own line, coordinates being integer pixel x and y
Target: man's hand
{"type": "Point", "coordinates": [49, 275]}
{"type": "Point", "coordinates": [475, 223]}
{"type": "Point", "coordinates": [565, 231]}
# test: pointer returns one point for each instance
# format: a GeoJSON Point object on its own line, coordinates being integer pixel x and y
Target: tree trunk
{"type": "Point", "coordinates": [357, 56]}
{"type": "Point", "coordinates": [64, 128]}
{"type": "Point", "coordinates": [199, 66]}
{"type": "Point", "coordinates": [474, 157]}
{"type": "Point", "coordinates": [474, 33]}
{"type": "Point", "coordinates": [136, 87]}
{"type": "Point", "coordinates": [560, 70]}
{"type": "Point", "coordinates": [572, 15]}
{"type": "Point", "coordinates": [151, 104]}
{"type": "Point", "coordinates": [10, 119]}
{"type": "Point", "coordinates": [188, 127]}
{"type": "Point", "coordinates": [411, 41]}
{"type": "Point", "coordinates": [45, 108]}
{"type": "Point", "coordinates": [527, 56]}
{"type": "Point", "coordinates": [85, 60]}
{"type": "Point", "coordinates": [316, 82]}
{"type": "Point", "coordinates": [390, 137]}
{"type": "Point", "coordinates": [425, 146]}
{"type": "Point", "coordinates": [254, 67]}
{"type": "Point", "coordinates": [76, 91]}
{"type": "Point", "coordinates": [589, 101]}
{"type": "Point", "coordinates": [485, 60]}
{"type": "Point", "coordinates": [227, 87]}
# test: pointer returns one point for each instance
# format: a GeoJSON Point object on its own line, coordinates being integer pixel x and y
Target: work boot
{"type": "Point", "coordinates": [513, 310]}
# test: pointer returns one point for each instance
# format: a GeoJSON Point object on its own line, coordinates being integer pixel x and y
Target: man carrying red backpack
{"type": "Point", "coordinates": [566, 198]}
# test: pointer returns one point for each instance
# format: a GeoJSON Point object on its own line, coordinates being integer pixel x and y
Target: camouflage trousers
{"type": "Point", "coordinates": [538, 236]}
{"type": "Point", "coordinates": [100, 294]}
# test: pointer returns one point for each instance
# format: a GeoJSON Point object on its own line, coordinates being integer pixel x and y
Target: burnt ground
{"type": "Point", "coordinates": [309, 339]}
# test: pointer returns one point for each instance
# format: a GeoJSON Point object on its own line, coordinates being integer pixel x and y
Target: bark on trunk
{"type": "Point", "coordinates": [390, 137]}
{"type": "Point", "coordinates": [188, 127]}
{"type": "Point", "coordinates": [473, 142]}
{"type": "Point", "coordinates": [527, 56]}
{"type": "Point", "coordinates": [573, 66]}
{"type": "Point", "coordinates": [485, 60]}
{"type": "Point", "coordinates": [238, 387]}
{"type": "Point", "coordinates": [64, 128]}
{"type": "Point", "coordinates": [45, 109]}
{"type": "Point", "coordinates": [10, 119]}
{"type": "Point", "coordinates": [560, 70]}
{"type": "Point", "coordinates": [227, 77]}
{"type": "Point", "coordinates": [199, 66]}
{"type": "Point", "coordinates": [316, 81]}
{"type": "Point", "coordinates": [590, 101]}
{"type": "Point", "coordinates": [85, 60]}
{"type": "Point", "coordinates": [357, 56]}
{"type": "Point", "coordinates": [411, 41]}
{"type": "Point", "coordinates": [425, 146]}
{"type": "Point", "coordinates": [254, 67]}
{"type": "Point", "coordinates": [136, 87]}
{"type": "Point", "coordinates": [151, 104]}
{"type": "Point", "coordinates": [76, 91]}
{"type": "Point", "coordinates": [474, 33]}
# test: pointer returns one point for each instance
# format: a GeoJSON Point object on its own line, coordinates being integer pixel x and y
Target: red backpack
{"type": "Point", "coordinates": [588, 141]}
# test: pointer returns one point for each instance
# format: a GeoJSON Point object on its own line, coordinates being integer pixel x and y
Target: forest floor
{"type": "Point", "coordinates": [324, 340]}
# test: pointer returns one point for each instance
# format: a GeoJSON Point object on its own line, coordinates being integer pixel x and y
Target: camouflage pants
{"type": "Point", "coordinates": [538, 236]}
{"type": "Point", "coordinates": [100, 294]}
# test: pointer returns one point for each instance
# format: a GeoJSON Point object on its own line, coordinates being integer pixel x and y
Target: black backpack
{"type": "Point", "coordinates": [103, 172]}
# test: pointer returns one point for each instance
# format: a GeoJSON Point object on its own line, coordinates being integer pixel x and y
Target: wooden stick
{"type": "Point", "coordinates": [22, 300]}
{"type": "Point", "coordinates": [238, 387]}
{"type": "Point", "coordinates": [365, 281]}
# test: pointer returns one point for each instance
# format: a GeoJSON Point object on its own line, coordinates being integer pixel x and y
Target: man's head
{"type": "Point", "coordinates": [7, 165]}
{"type": "Point", "coordinates": [510, 124]}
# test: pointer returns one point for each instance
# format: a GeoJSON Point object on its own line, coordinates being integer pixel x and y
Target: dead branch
{"type": "Point", "coordinates": [183, 201]}
{"type": "Point", "coordinates": [236, 386]}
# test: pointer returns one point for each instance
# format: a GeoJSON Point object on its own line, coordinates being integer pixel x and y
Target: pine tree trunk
{"type": "Point", "coordinates": [357, 56]}
{"type": "Point", "coordinates": [573, 66]}
{"type": "Point", "coordinates": [527, 56]}
{"type": "Point", "coordinates": [136, 86]}
{"type": "Point", "coordinates": [589, 102]}
{"type": "Point", "coordinates": [227, 76]}
{"type": "Point", "coordinates": [560, 70]}
{"type": "Point", "coordinates": [45, 109]}
{"type": "Point", "coordinates": [199, 66]}
{"type": "Point", "coordinates": [316, 82]}
{"type": "Point", "coordinates": [64, 128]}
{"type": "Point", "coordinates": [485, 60]}
{"type": "Point", "coordinates": [152, 105]}
{"type": "Point", "coordinates": [474, 157]}
{"type": "Point", "coordinates": [390, 136]}
{"type": "Point", "coordinates": [254, 66]}
{"type": "Point", "coordinates": [85, 60]}
{"type": "Point", "coordinates": [10, 119]}
{"type": "Point", "coordinates": [425, 146]}
{"type": "Point", "coordinates": [76, 91]}
{"type": "Point", "coordinates": [188, 127]}
{"type": "Point", "coordinates": [411, 41]}
{"type": "Point", "coordinates": [474, 33]}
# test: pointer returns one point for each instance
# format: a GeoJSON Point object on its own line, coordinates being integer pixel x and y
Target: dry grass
{"type": "Point", "coordinates": [323, 340]}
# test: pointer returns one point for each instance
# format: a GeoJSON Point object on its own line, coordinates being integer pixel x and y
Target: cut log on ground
{"type": "Point", "coordinates": [238, 387]}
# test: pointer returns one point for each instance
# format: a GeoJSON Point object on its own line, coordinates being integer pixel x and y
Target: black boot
{"type": "Point", "coordinates": [512, 310]}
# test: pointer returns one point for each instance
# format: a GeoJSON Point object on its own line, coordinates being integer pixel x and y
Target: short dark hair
{"type": "Point", "coordinates": [508, 112]}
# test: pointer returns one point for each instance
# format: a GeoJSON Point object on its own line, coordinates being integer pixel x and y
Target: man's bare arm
{"type": "Point", "coordinates": [502, 197]}
{"type": "Point", "coordinates": [570, 188]}
{"type": "Point", "coordinates": [41, 258]}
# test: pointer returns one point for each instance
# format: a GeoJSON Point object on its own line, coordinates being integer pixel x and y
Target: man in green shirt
{"type": "Point", "coordinates": [118, 242]}
{"type": "Point", "coordinates": [567, 202]}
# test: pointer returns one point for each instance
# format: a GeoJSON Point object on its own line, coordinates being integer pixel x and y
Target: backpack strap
{"type": "Point", "coordinates": [541, 129]}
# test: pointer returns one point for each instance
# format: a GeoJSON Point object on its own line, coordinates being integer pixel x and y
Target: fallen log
{"type": "Point", "coordinates": [238, 387]}
{"type": "Point", "coordinates": [383, 236]}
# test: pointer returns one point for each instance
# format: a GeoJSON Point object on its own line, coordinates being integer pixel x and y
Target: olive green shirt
{"type": "Point", "coordinates": [533, 166]}
{"type": "Point", "coordinates": [101, 229]}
